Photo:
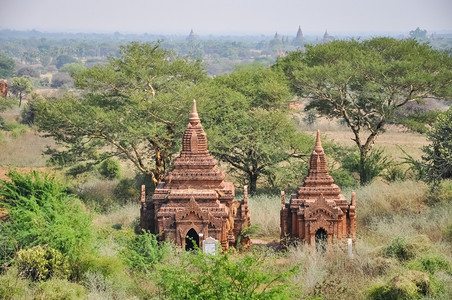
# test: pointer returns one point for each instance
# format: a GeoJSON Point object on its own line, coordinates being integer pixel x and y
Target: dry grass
{"type": "Point", "coordinates": [380, 199]}
{"type": "Point", "coordinates": [125, 215]}
{"type": "Point", "coordinates": [265, 214]}
{"type": "Point", "coordinates": [24, 151]}
{"type": "Point", "coordinates": [390, 141]}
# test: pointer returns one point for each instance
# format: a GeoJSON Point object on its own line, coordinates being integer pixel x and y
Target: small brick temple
{"type": "Point", "coordinates": [318, 211]}
{"type": "Point", "coordinates": [194, 202]}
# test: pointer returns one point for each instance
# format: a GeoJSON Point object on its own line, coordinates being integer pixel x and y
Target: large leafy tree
{"type": "Point", "coordinates": [365, 82]}
{"type": "Point", "coordinates": [249, 126]}
{"type": "Point", "coordinates": [20, 86]}
{"type": "Point", "coordinates": [133, 108]}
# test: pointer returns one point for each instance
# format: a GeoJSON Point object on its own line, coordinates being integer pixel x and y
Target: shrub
{"type": "Point", "coordinates": [400, 249]}
{"type": "Point", "coordinates": [110, 168]}
{"type": "Point", "coordinates": [431, 264]}
{"type": "Point", "coordinates": [41, 212]}
{"type": "Point", "coordinates": [144, 251]}
{"type": "Point", "coordinates": [29, 110]}
{"type": "Point", "coordinates": [204, 276]}
{"type": "Point", "coordinates": [59, 289]}
{"type": "Point", "coordinates": [438, 155]}
{"type": "Point", "coordinates": [374, 164]}
{"type": "Point", "coordinates": [16, 129]}
{"type": "Point", "coordinates": [410, 285]}
{"type": "Point", "coordinates": [440, 193]}
{"type": "Point", "coordinates": [41, 263]}
{"type": "Point", "coordinates": [394, 173]}
{"type": "Point", "coordinates": [12, 286]}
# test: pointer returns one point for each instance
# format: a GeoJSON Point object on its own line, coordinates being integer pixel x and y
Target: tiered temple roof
{"type": "Point", "coordinates": [194, 196]}
{"type": "Point", "coordinates": [318, 205]}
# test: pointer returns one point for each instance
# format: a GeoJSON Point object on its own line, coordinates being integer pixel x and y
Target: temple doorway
{"type": "Point", "coordinates": [191, 239]}
{"type": "Point", "coordinates": [320, 240]}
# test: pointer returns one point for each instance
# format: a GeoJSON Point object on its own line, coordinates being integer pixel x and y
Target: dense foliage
{"type": "Point", "coordinates": [249, 126]}
{"type": "Point", "coordinates": [20, 87]}
{"type": "Point", "coordinates": [438, 155]}
{"type": "Point", "coordinates": [365, 82]}
{"type": "Point", "coordinates": [205, 276]}
{"type": "Point", "coordinates": [6, 66]}
{"type": "Point", "coordinates": [41, 212]}
{"type": "Point", "coordinates": [132, 108]}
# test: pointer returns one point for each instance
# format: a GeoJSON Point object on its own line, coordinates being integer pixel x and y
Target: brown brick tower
{"type": "Point", "coordinates": [318, 211]}
{"type": "Point", "coordinates": [194, 202]}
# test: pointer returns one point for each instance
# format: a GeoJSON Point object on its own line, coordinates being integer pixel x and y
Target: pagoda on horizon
{"type": "Point", "coordinates": [299, 39]}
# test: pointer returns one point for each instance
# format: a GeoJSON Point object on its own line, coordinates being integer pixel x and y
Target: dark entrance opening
{"type": "Point", "coordinates": [191, 240]}
{"type": "Point", "coordinates": [320, 240]}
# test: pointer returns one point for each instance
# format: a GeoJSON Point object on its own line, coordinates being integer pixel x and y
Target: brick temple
{"type": "Point", "coordinates": [318, 211]}
{"type": "Point", "coordinates": [194, 202]}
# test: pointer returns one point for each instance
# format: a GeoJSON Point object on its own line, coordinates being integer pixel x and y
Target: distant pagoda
{"type": "Point", "coordinates": [327, 38]}
{"type": "Point", "coordinates": [194, 202]}
{"type": "Point", "coordinates": [299, 39]}
{"type": "Point", "coordinates": [318, 211]}
{"type": "Point", "coordinates": [192, 37]}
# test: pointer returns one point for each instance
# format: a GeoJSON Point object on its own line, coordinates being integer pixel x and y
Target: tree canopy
{"type": "Point", "coordinates": [20, 86]}
{"type": "Point", "coordinates": [131, 108]}
{"type": "Point", "coordinates": [249, 126]}
{"type": "Point", "coordinates": [6, 66]}
{"type": "Point", "coordinates": [365, 82]}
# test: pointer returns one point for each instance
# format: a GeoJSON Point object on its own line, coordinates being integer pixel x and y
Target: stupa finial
{"type": "Point", "coordinates": [318, 143]}
{"type": "Point", "coordinates": [194, 118]}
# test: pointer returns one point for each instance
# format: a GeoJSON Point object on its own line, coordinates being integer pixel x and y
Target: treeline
{"type": "Point", "coordinates": [135, 107]}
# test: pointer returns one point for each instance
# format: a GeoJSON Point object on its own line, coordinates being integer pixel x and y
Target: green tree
{"type": "Point", "coordinates": [438, 155]}
{"type": "Point", "coordinates": [418, 34]}
{"type": "Point", "coordinates": [60, 79]}
{"type": "Point", "coordinates": [248, 123]}
{"type": "Point", "coordinates": [20, 87]}
{"type": "Point", "coordinates": [27, 72]}
{"type": "Point", "coordinates": [6, 67]}
{"type": "Point", "coordinates": [366, 82]}
{"type": "Point", "coordinates": [132, 108]}
{"type": "Point", "coordinates": [64, 59]}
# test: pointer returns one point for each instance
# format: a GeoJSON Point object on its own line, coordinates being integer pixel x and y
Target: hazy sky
{"type": "Point", "coordinates": [227, 16]}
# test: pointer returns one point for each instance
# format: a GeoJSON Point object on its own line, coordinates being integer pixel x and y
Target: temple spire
{"type": "Point", "coordinates": [194, 118]}
{"type": "Point", "coordinates": [299, 34]}
{"type": "Point", "coordinates": [318, 144]}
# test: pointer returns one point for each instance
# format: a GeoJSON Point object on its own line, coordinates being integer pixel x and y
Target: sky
{"type": "Point", "coordinates": [227, 17]}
